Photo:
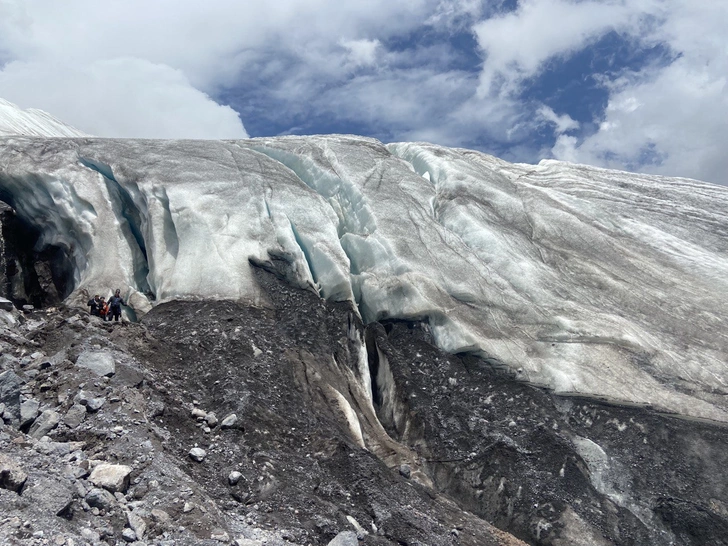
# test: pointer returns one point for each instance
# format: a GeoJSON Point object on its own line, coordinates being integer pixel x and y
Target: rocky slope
{"type": "Point", "coordinates": [293, 423]}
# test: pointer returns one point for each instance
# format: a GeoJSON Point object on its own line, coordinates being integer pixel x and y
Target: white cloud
{"type": "Point", "coordinates": [179, 50]}
{"type": "Point", "coordinates": [671, 119]}
{"type": "Point", "coordinates": [561, 123]}
{"type": "Point", "coordinates": [132, 67]}
{"type": "Point", "coordinates": [361, 52]}
{"type": "Point", "coordinates": [120, 98]}
{"type": "Point", "coordinates": [518, 44]}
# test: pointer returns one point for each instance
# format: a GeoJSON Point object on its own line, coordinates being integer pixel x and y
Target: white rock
{"type": "Point", "coordinates": [230, 421]}
{"type": "Point", "coordinates": [112, 477]}
{"type": "Point", "coordinates": [234, 477]}
{"type": "Point", "coordinates": [197, 454]}
{"type": "Point", "coordinates": [99, 362]}
{"type": "Point", "coordinates": [137, 523]}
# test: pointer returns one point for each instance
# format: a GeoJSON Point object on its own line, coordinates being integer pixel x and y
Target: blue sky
{"type": "Point", "coordinates": [637, 85]}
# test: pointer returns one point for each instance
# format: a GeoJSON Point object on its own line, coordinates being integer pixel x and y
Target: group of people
{"type": "Point", "coordinates": [107, 310]}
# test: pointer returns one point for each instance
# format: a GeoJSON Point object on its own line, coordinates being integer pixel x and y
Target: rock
{"type": "Point", "coordinates": [100, 498]}
{"type": "Point", "coordinates": [405, 470]}
{"type": "Point", "coordinates": [28, 308]}
{"type": "Point", "coordinates": [6, 305]}
{"type": "Point", "coordinates": [12, 476]}
{"type": "Point", "coordinates": [161, 517]}
{"type": "Point", "coordinates": [197, 454]}
{"type": "Point", "coordinates": [360, 531]}
{"type": "Point", "coordinates": [129, 535]}
{"type": "Point", "coordinates": [188, 507]}
{"type": "Point", "coordinates": [211, 420]}
{"type": "Point", "coordinates": [10, 384]}
{"type": "Point", "coordinates": [112, 477]}
{"type": "Point", "coordinates": [137, 523]}
{"type": "Point", "coordinates": [345, 538]}
{"type": "Point", "coordinates": [99, 362]}
{"type": "Point", "coordinates": [95, 404]}
{"type": "Point", "coordinates": [234, 477]}
{"type": "Point", "coordinates": [28, 412]}
{"type": "Point", "coordinates": [89, 534]}
{"type": "Point", "coordinates": [49, 495]}
{"type": "Point", "coordinates": [198, 414]}
{"type": "Point", "coordinates": [230, 421]}
{"type": "Point", "coordinates": [46, 422]}
{"type": "Point", "coordinates": [75, 415]}
{"type": "Point", "coordinates": [220, 536]}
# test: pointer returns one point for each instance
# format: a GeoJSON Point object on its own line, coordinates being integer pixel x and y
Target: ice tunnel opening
{"type": "Point", "coordinates": [32, 273]}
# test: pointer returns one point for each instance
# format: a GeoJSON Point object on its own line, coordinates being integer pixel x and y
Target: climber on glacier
{"type": "Point", "coordinates": [94, 305]}
{"type": "Point", "coordinates": [115, 303]}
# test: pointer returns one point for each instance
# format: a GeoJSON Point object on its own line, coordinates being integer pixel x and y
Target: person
{"type": "Point", "coordinates": [115, 303]}
{"type": "Point", "coordinates": [94, 306]}
{"type": "Point", "coordinates": [104, 309]}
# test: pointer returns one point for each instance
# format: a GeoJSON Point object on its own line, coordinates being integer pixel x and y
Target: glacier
{"type": "Point", "coordinates": [32, 122]}
{"type": "Point", "coordinates": [586, 281]}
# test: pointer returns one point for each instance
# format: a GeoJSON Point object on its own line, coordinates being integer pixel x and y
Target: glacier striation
{"type": "Point", "coordinates": [587, 281]}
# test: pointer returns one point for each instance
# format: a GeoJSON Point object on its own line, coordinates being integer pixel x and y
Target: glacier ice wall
{"type": "Point", "coordinates": [587, 281]}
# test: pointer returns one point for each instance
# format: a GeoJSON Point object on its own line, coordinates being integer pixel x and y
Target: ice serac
{"type": "Point", "coordinates": [587, 281]}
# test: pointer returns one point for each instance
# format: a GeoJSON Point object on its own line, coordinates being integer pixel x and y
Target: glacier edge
{"type": "Point", "coordinates": [583, 280]}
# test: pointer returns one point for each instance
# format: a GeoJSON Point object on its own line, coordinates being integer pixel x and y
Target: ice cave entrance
{"type": "Point", "coordinates": [31, 273]}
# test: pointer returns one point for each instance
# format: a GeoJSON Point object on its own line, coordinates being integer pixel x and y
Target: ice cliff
{"type": "Point", "coordinates": [588, 281]}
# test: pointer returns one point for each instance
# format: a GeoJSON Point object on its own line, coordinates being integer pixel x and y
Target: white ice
{"type": "Point", "coordinates": [32, 122]}
{"type": "Point", "coordinates": [587, 281]}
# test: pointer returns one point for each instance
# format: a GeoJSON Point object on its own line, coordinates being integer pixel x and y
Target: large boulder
{"type": "Point", "coordinates": [112, 477]}
{"type": "Point", "coordinates": [50, 495]}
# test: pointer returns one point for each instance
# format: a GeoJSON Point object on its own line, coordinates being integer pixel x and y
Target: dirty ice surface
{"type": "Point", "coordinates": [588, 281]}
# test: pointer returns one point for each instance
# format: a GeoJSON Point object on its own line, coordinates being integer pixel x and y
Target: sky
{"type": "Point", "coordinates": [628, 84]}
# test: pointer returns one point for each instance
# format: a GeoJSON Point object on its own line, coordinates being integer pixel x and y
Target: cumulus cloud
{"type": "Point", "coordinates": [120, 98]}
{"type": "Point", "coordinates": [671, 119]}
{"type": "Point", "coordinates": [396, 70]}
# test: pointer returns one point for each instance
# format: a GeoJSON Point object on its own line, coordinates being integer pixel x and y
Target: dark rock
{"type": "Point", "coordinates": [75, 415]}
{"type": "Point", "coordinates": [100, 498]}
{"type": "Point", "coordinates": [46, 421]}
{"type": "Point", "coordinates": [28, 412]}
{"type": "Point", "coordinates": [10, 386]}
{"type": "Point", "coordinates": [50, 495]}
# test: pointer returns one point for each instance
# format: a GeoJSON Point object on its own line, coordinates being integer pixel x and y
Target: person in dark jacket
{"type": "Point", "coordinates": [94, 305]}
{"type": "Point", "coordinates": [115, 303]}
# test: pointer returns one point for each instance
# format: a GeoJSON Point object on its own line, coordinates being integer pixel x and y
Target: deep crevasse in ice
{"type": "Point", "coordinates": [586, 280]}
